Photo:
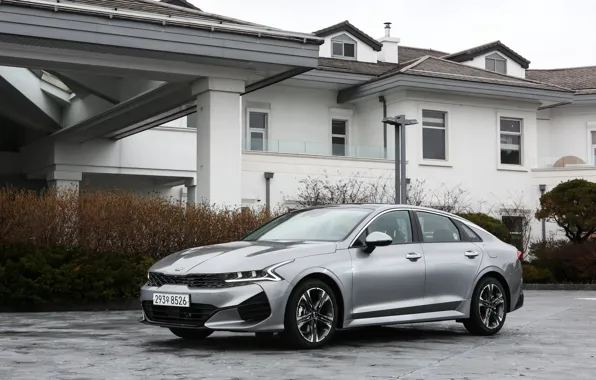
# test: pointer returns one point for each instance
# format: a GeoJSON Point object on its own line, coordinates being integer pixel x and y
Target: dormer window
{"type": "Point", "coordinates": [343, 47]}
{"type": "Point", "coordinates": [496, 63]}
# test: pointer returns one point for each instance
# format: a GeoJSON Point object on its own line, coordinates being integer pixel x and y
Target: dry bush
{"type": "Point", "coordinates": [121, 222]}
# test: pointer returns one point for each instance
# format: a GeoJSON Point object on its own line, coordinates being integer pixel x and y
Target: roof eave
{"type": "Point", "coordinates": [468, 55]}
{"type": "Point", "coordinates": [451, 85]}
{"type": "Point", "coordinates": [347, 27]}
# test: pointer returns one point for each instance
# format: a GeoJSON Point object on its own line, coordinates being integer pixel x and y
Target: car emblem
{"type": "Point", "coordinates": [178, 269]}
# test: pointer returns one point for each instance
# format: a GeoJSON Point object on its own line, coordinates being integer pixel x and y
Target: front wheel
{"type": "Point", "coordinates": [191, 334]}
{"type": "Point", "coordinates": [488, 308]}
{"type": "Point", "coordinates": [311, 315]}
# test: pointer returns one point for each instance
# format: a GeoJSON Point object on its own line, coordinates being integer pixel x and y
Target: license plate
{"type": "Point", "coordinates": [180, 300]}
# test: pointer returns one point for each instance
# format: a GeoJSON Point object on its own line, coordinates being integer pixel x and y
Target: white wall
{"type": "Point", "coordinates": [296, 115]}
{"type": "Point", "coordinates": [568, 133]}
{"type": "Point", "coordinates": [290, 169]}
{"type": "Point", "coordinates": [513, 68]}
{"type": "Point", "coordinates": [364, 53]}
{"type": "Point", "coordinates": [164, 151]}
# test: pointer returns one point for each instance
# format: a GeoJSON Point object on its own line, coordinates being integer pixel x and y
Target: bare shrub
{"type": "Point", "coordinates": [115, 221]}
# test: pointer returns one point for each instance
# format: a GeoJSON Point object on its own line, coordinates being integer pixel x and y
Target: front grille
{"type": "Point", "coordinates": [255, 308]}
{"type": "Point", "coordinates": [209, 281]}
{"type": "Point", "coordinates": [195, 315]}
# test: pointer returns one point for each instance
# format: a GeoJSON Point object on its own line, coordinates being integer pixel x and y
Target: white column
{"type": "Point", "coordinates": [219, 141]}
{"type": "Point", "coordinates": [191, 195]}
{"type": "Point", "coordinates": [64, 181]}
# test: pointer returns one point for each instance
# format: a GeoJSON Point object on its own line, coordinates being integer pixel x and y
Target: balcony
{"type": "Point", "coordinates": [314, 148]}
{"type": "Point", "coordinates": [564, 163]}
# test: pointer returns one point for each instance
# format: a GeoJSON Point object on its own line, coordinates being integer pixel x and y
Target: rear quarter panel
{"type": "Point", "coordinates": [501, 258]}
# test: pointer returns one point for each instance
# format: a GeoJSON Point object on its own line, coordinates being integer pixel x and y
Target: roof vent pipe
{"type": "Point", "coordinates": [387, 29]}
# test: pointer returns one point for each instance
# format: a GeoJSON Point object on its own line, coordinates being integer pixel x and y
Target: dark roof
{"type": "Point", "coordinates": [347, 27]}
{"type": "Point", "coordinates": [354, 67]}
{"type": "Point", "coordinates": [582, 79]}
{"type": "Point", "coordinates": [161, 8]}
{"type": "Point", "coordinates": [154, 11]}
{"type": "Point", "coordinates": [407, 53]}
{"type": "Point", "coordinates": [471, 53]}
{"type": "Point", "coordinates": [181, 3]}
{"type": "Point", "coordinates": [442, 68]}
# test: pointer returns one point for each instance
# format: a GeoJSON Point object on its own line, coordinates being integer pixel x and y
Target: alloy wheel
{"type": "Point", "coordinates": [491, 306]}
{"type": "Point", "coordinates": [315, 315]}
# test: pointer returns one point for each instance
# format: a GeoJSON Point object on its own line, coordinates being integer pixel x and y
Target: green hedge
{"type": "Point", "coordinates": [34, 277]}
{"type": "Point", "coordinates": [492, 225]}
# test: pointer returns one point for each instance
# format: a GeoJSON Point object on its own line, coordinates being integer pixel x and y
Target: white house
{"type": "Point", "coordinates": [161, 96]}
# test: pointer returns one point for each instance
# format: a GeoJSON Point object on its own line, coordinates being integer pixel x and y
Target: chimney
{"type": "Point", "coordinates": [388, 52]}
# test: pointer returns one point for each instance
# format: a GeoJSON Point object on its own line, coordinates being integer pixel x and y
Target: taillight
{"type": "Point", "coordinates": [520, 255]}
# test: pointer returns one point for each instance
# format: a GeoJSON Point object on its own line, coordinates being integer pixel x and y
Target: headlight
{"type": "Point", "coordinates": [267, 274]}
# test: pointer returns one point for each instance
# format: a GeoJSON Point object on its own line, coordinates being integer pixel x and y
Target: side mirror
{"type": "Point", "coordinates": [377, 239]}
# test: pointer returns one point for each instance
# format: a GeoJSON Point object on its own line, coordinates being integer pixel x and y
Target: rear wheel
{"type": "Point", "coordinates": [488, 309]}
{"type": "Point", "coordinates": [311, 315]}
{"type": "Point", "coordinates": [191, 334]}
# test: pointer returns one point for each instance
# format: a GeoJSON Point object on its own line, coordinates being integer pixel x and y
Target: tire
{"type": "Point", "coordinates": [304, 303]}
{"type": "Point", "coordinates": [488, 309]}
{"type": "Point", "coordinates": [191, 334]}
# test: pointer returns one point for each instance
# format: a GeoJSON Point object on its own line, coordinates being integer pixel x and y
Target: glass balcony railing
{"type": "Point", "coordinates": [319, 149]}
{"type": "Point", "coordinates": [567, 162]}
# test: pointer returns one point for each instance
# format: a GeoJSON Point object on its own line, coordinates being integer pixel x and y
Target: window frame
{"type": "Point", "coordinates": [344, 136]}
{"type": "Point", "coordinates": [343, 49]}
{"type": "Point", "coordinates": [421, 232]}
{"type": "Point", "coordinates": [265, 131]}
{"type": "Point", "coordinates": [493, 57]}
{"type": "Point", "coordinates": [591, 148]}
{"type": "Point", "coordinates": [437, 128]}
{"type": "Point", "coordinates": [413, 226]}
{"type": "Point", "coordinates": [521, 141]}
{"type": "Point", "coordinates": [439, 107]}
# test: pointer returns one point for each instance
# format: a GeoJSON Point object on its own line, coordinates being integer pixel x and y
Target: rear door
{"type": "Point", "coordinates": [452, 260]}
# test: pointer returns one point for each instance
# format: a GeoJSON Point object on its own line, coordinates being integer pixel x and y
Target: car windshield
{"type": "Point", "coordinates": [319, 224]}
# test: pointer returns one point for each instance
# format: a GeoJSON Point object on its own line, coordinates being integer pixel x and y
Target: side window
{"type": "Point", "coordinates": [468, 233]}
{"type": "Point", "coordinates": [396, 224]}
{"type": "Point", "coordinates": [437, 228]}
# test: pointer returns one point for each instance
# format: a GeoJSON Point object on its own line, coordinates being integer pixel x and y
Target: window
{"type": "Point", "coordinates": [593, 135]}
{"type": "Point", "coordinates": [495, 62]}
{"type": "Point", "coordinates": [257, 130]}
{"type": "Point", "coordinates": [511, 141]}
{"type": "Point", "coordinates": [394, 223]}
{"type": "Point", "coordinates": [437, 228]}
{"type": "Point", "coordinates": [318, 224]}
{"type": "Point", "coordinates": [343, 46]}
{"type": "Point", "coordinates": [434, 135]}
{"type": "Point", "coordinates": [468, 233]}
{"type": "Point", "coordinates": [515, 225]}
{"type": "Point", "coordinates": [338, 137]}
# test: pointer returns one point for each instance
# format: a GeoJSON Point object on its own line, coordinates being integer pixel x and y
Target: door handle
{"type": "Point", "coordinates": [413, 256]}
{"type": "Point", "coordinates": [471, 254]}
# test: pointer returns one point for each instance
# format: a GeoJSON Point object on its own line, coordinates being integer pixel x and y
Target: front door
{"type": "Point", "coordinates": [452, 261]}
{"type": "Point", "coordinates": [389, 281]}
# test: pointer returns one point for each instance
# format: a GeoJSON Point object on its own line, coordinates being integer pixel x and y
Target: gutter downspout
{"type": "Point", "coordinates": [382, 100]}
{"type": "Point", "coordinates": [268, 176]}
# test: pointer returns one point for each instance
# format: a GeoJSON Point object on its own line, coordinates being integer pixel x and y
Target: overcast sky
{"type": "Point", "coordinates": [549, 33]}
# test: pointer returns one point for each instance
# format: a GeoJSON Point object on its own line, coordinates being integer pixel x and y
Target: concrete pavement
{"type": "Point", "coordinates": [551, 337]}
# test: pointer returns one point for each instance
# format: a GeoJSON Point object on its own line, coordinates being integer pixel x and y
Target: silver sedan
{"type": "Point", "coordinates": [311, 272]}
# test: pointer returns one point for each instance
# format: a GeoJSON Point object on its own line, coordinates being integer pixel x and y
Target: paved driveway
{"type": "Point", "coordinates": [551, 337]}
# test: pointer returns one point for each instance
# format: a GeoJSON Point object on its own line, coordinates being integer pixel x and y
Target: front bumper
{"type": "Point", "coordinates": [254, 307]}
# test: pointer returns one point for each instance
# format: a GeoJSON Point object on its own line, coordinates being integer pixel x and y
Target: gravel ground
{"type": "Point", "coordinates": [551, 337]}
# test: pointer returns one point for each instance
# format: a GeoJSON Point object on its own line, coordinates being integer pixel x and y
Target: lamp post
{"type": "Point", "coordinates": [400, 123]}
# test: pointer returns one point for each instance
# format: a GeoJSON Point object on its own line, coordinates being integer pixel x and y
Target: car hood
{"type": "Point", "coordinates": [238, 256]}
